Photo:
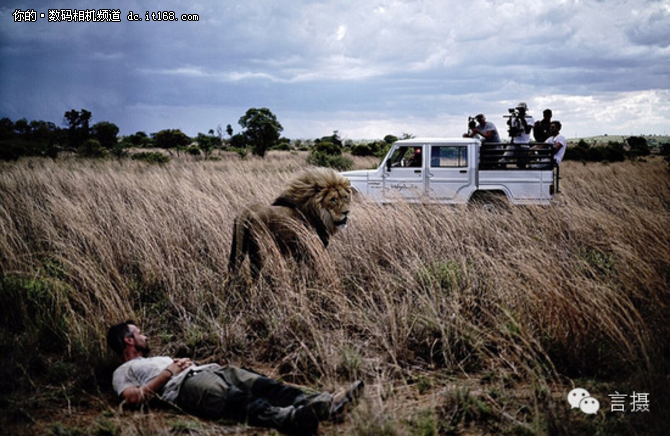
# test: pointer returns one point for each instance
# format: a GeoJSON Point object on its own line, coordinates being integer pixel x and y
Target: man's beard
{"type": "Point", "coordinates": [144, 351]}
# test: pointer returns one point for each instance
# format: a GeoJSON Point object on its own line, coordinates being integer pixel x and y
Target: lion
{"type": "Point", "coordinates": [315, 202]}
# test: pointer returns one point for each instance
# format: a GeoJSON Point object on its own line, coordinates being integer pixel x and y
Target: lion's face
{"type": "Point", "coordinates": [320, 194]}
{"type": "Point", "coordinates": [335, 202]}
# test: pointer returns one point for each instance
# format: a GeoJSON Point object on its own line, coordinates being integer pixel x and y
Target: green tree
{"type": "Point", "coordinates": [327, 152]}
{"type": "Point", "coordinates": [6, 128]}
{"type": "Point", "coordinates": [390, 139]}
{"type": "Point", "coordinates": [262, 129]}
{"type": "Point", "coordinates": [91, 148]}
{"type": "Point", "coordinates": [334, 139]}
{"type": "Point", "coordinates": [79, 129]}
{"type": "Point", "coordinates": [171, 138]}
{"type": "Point", "coordinates": [9, 149]}
{"type": "Point", "coordinates": [238, 141]}
{"type": "Point", "coordinates": [638, 146]}
{"type": "Point", "coordinates": [208, 142]}
{"type": "Point", "coordinates": [106, 133]}
{"type": "Point", "coordinates": [43, 131]}
{"type": "Point", "coordinates": [327, 147]}
{"type": "Point", "coordinates": [45, 137]}
{"type": "Point", "coordinates": [23, 138]}
{"type": "Point", "coordinates": [138, 139]}
{"type": "Point", "coordinates": [22, 128]}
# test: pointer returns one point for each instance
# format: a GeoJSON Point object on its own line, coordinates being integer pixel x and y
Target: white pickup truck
{"type": "Point", "coordinates": [436, 170]}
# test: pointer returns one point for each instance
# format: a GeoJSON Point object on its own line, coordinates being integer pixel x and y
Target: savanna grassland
{"type": "Point", "coordinates": [470, 320]}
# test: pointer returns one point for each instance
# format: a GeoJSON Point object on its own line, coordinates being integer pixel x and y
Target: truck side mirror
{"type": "Point", "coordinates": [388, 165]}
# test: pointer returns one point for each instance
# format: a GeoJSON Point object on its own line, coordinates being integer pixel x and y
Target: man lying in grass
{"type": "Point", "coordinates": [218, 392]}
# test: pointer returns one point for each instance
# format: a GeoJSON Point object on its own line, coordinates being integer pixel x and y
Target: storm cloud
{"type": "Point", "coordinates": [366, 69]}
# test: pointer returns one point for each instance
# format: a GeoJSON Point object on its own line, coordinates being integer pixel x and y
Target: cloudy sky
{"type": "Point", "coordinates": [365, 68]}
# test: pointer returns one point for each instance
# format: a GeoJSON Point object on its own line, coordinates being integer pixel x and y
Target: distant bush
{"type": "Point", "coordinates": [151, 157]}
{"type": "Point", "coordinates": [301, 145]}
{"type": "Point", "coordinates": [24, 138]}
{"type": "Point", "coordinates": [242, 152]}
{"type": "Point", "coordinates": [327, 147]}
{"type": "Point", "coordinates": [238, 141]}
{"type": "Point", "coordinates": [665, 151]}
{"type": "Point", "coordinates": [170, 138]}
{"type": "Point", "coordinates": [327, 152]}
{"type": "Point", "coordinates": [638, 147]}
{"type": "Point", "coordinates": [362, 150]}
{"type": "Point", "coordinates": [375, 148]}
{"type": "Point", "coordinates": [390, 139]}
{"type": "Point", "coordinates": [284, 144]}
{"type": "Point", "coordinates": [9, 150]}
{"type": "Point", "coordinates": [139, 140]}
{"type": "Point", "coordinates": [194, 150]}
{"type": "Point", "coordinates": [612, 152]}
{"type": "Point", "coordinates": [91, 148]}
{"type": "Point", "coordinates": [338, 162]}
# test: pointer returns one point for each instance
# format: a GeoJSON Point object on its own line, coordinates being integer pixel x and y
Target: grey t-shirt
{"type": "Point", "coordinates": [489, 126]}
{"type": "Point", "coordinates": [140, 371]}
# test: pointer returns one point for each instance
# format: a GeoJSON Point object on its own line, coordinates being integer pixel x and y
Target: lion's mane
{"type": "Point", "coordinates": [317, 201]}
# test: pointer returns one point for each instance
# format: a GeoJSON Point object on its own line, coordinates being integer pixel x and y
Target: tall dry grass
{"type": "Point", "coordinates": [408, 294]}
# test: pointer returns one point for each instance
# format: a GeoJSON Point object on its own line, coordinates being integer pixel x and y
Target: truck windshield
{"type": "Point", "coordinates": [407, 157]}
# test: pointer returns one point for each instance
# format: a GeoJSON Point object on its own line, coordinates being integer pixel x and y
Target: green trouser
{"type": "Point", "coordinates": [240, 395]}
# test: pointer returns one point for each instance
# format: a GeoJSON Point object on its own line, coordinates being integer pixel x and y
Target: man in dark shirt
{"type": "Point", "coordinates": [541, 127]}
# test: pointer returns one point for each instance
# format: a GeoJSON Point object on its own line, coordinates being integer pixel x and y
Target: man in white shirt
{"type": "Point", "coordinates": [557, 140]}
{"type": "Point", "coordinates": [218, 392]}
{"type": "Point", "coordinates": [520, 125]}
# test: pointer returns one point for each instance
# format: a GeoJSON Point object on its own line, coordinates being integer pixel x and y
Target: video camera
{"type": "Point", "coordinates": [517, 128]}
{"type": "Point", "coordinates": [472, 122]}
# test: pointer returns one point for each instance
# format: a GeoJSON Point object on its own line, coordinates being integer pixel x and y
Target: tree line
{"type": "Point", "coordinates": [261, 131]}
{"type": "Point", "coordinates": [633, 147]}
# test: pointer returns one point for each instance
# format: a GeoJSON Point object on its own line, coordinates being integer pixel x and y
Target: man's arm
{"type": "Point", "coordinates": [487, 134]}
{"type": "Point", "coordinates": [141, 394]}
{"type": "Point", "coordinates": [559, 142]}
{"type": "Point", "coordinates": [528, 126]}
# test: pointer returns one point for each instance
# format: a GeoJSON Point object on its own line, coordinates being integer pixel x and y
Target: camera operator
{"type": "Point", "coordinates": [520, 124]}
{"type": "Point", "coordinates": [486, 129]}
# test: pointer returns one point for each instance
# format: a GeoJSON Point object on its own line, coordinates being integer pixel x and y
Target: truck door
{"type": "Point", "coordinates": [404, 173]}
{"type": "Point", "coordinates": [448, 172]}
